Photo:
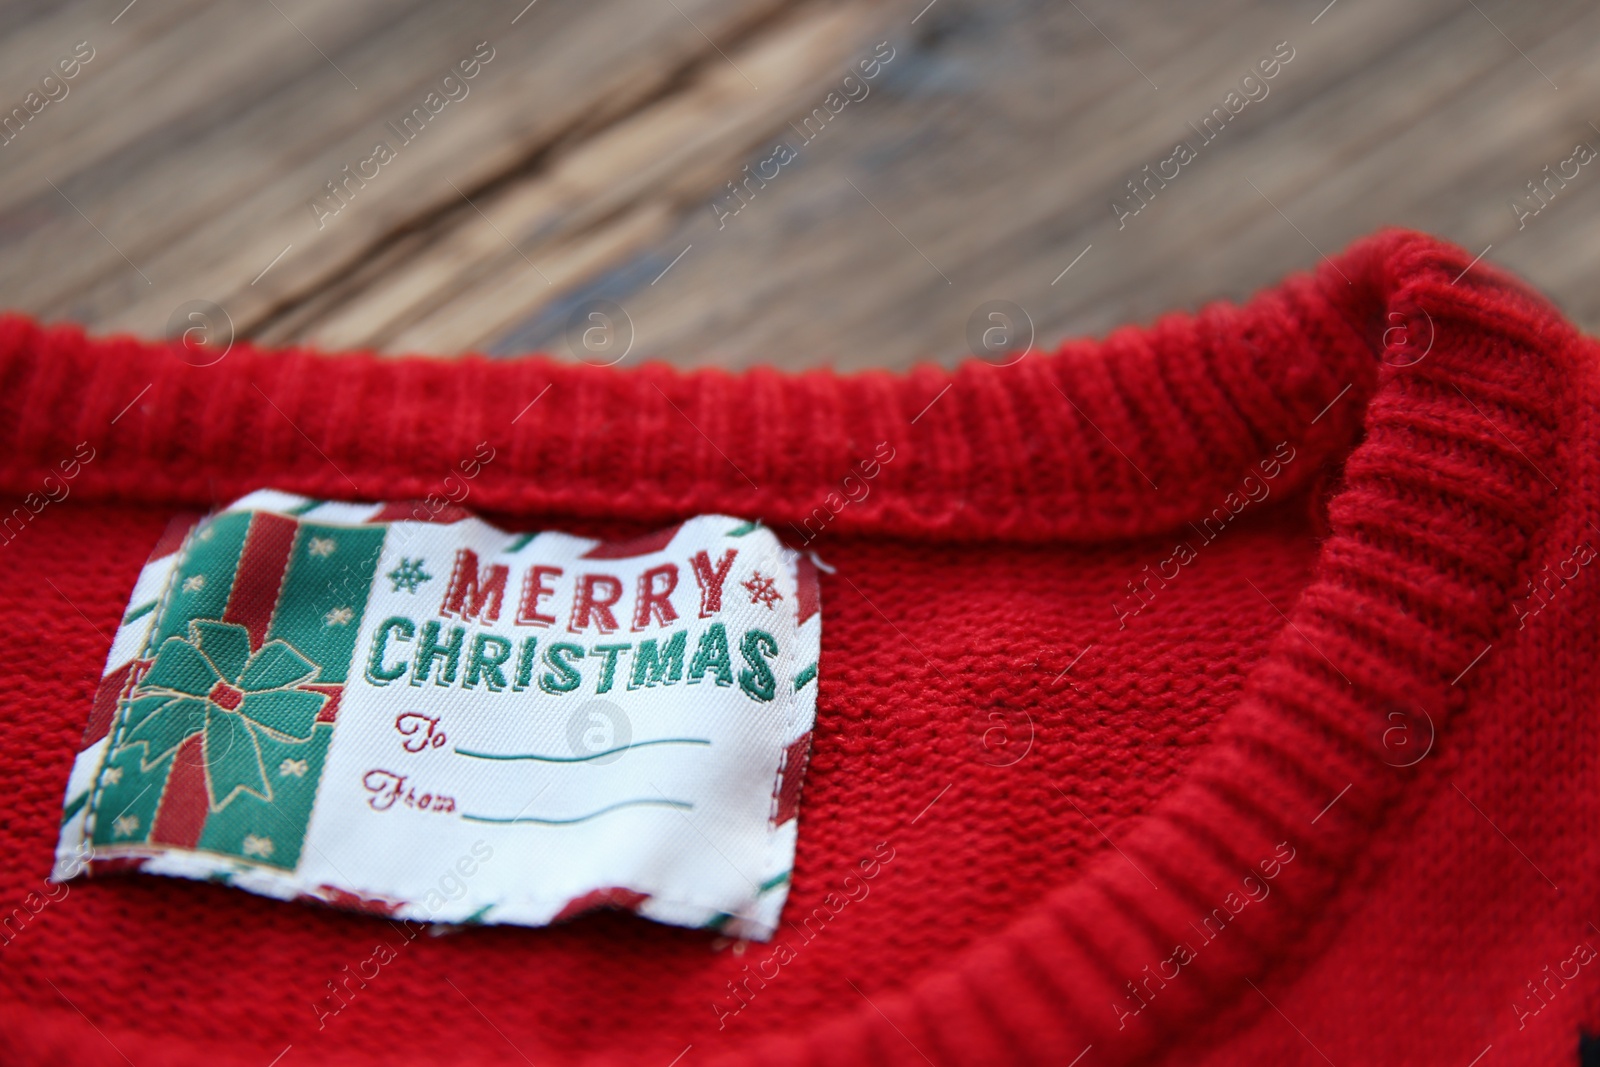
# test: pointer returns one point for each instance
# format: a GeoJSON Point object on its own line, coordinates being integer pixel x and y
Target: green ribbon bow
{"type": "Point", "coordinates": [214, 686]}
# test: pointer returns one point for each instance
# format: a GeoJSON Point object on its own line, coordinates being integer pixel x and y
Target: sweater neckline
{"type": "Point", "coordinates": [1449, 478]}
{"type": "Point", "coordinates": [1422, 390]}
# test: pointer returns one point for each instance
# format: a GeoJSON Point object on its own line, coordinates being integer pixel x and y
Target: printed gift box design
{"type": "Point", "coordinates": [224, 719]}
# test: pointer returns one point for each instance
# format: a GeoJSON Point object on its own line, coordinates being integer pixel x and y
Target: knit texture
{"type": "Point", "coordinates": [1342, 750]}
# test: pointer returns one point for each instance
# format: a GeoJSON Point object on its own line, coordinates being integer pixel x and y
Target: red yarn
{"type": "Point", "coordinates": [1123, 750]}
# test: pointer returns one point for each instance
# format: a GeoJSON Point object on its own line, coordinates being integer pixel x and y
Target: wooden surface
{"type": "Point", "coordinates": [585, 160]}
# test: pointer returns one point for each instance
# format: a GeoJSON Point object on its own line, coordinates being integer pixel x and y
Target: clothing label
{"type": "Point", "coordinates": [409, 711]}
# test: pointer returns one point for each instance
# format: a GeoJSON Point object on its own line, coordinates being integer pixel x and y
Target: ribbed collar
{"type": "Point", "coordinates": [1065, 446]}
{"type": "Point", "coordinates": [1438, 390]}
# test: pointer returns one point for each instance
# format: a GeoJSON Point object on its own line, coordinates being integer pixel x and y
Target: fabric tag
{"type": "Point", "coordinates": [408, 711]}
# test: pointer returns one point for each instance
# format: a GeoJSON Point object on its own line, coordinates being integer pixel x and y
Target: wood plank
{"type": "Point", "coordinates": [590, 152]}
{"type": "Point", "coordinates": [205, 202]}
{"type": "Point", "coordinates": [1003, 217]}
{"type": "Point", "coordinates": [618, 190]}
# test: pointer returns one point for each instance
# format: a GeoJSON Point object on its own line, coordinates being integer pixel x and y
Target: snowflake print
{"type": "Point", "coordinates": [257, 846]}
{"type": "Point", "coordinates": [112, 776]}
{"type": "Point", "coordinates": [408, 575]}
{"type": "Point", "coordinates": [322, 546]}
{"type": "Point", "coordinates": [296, 767]}
{"type": "Point", "coordinates": [125, 825]}
{"type": "Point", "coordinates": [194, 583]}
{"type": "Point", "coordinates": [338, 617]}
{"type": "Point", "coordinates": [763, 590]}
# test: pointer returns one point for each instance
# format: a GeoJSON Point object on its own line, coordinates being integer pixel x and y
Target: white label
{"type": "Point", "coordinates": [444, 721]}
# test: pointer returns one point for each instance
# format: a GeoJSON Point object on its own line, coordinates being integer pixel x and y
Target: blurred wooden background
{"type": "Point", "coordinates": [588, 159]}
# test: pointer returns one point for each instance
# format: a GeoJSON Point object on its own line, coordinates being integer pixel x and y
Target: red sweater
{"type": "Point", "coordinates": [1218, 692]}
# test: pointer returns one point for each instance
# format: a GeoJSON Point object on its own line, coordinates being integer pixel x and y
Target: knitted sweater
{"type": "Point", "coordinates": [1221, 692]}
